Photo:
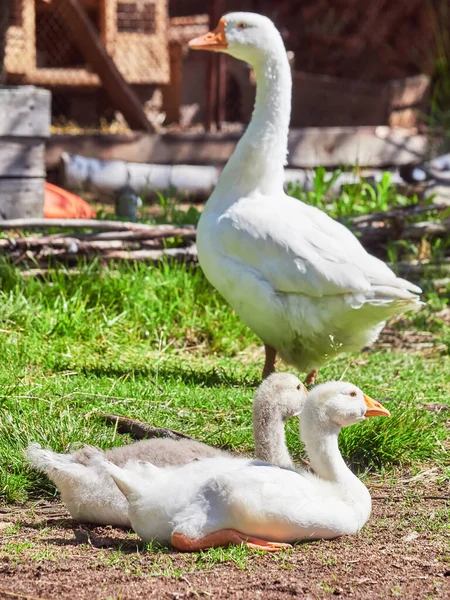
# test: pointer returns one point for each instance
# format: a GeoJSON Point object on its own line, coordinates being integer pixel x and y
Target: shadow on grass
{"type": "Point", "coordinates": [214, 377]}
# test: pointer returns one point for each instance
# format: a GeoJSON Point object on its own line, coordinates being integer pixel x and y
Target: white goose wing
{"type": "Point", "coordinates": [298, 249]}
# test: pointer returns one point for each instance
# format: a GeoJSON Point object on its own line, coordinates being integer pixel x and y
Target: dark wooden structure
{"type": "Point", "coordinates": [83, 45]}
{"type": "Point", "coordinates": [346, 48]}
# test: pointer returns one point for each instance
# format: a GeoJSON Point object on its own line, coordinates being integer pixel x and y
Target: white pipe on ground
{"type": "Point", "coordinates": [109, 176]}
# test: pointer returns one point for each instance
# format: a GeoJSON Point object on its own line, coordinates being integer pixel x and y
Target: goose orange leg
{"type": "Point", "coordinates": [311, 377]}
{"type": "Point", "coordinates": [269, 364]}
{"type": "Point", "coordinates": [224, 537]}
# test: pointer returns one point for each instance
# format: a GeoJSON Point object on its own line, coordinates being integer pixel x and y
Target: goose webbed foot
{"type": "Point", "coordinates": [224, 537]}
{"type": "Point", "coordinates": [269, 364]}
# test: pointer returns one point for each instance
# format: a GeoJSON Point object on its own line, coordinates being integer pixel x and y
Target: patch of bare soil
{"type": "Point", "coordinates": [410, 340]}
{"type": "Point", "coordinates": [404, 552]}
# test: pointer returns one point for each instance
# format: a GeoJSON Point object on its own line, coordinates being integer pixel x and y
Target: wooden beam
{"type": "Point", "coordinates": [4, 24]}
{"type": "Point", "coordinates": [86, 38]}
{"type": "Point", "coordinates": [212, 68]}
{"type": "Point", "coordinates": [221, 91]}
{"type": "Point", "coordinates": [24, 112]}
{"type": "Point", "coordinates": [221, 75]}
{"type": "Point", "coordinates": [309, 147]}
{"type": "Point", "coordinates": [21, 198]}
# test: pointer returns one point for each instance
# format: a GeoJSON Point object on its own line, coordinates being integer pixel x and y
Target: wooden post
{"type": "Point", "coordinates": [24, 127]}
{"type": "Point", "coordinates": [172, 91]}
{"type": "Point", "coordinates": [4, 23]}
{"type": "Point", "coordinates": [221, 91]}
{"type": "Point", "coordinates": [211, 92]}
{"type": "Point", "coordinates": [88, 41]}
{"type": "Point", "coordinates": [212, 71]}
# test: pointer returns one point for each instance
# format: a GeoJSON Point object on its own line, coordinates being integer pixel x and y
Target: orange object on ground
{"type": "Point", "coordinates": [61, 204]}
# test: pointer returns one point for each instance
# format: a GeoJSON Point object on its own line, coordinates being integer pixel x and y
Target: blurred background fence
{"type": "Point", "coordinates": [353, 63]}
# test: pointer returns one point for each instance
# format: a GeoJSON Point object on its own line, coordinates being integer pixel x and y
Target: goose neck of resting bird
{"type": "Point", "coordinates": [321, 442]}
{"type": "Point", "coordinates": [270, 438]}
{"type": "Point", "coordinates": [259, 158]}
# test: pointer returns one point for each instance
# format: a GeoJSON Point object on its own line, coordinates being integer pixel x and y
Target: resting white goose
{"type": "Point", "coordinates": [90, 494]}
{"type": "Point", "coordinates": [217, 501]}
{"type": "Point", "coordinates": [300, 280]}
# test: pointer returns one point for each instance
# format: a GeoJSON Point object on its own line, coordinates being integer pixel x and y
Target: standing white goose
{"type": "Point", "coordinates": [220, 501]}
{"type": "Point", "coordinates": [90, 494]}
{"type": "Point", "coordinates": [300, 280]}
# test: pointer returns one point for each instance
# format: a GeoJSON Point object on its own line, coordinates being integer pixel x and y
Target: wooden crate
{"type": "Point", "coordinates": [24, 128]}
{"type": "Point", "coordinates": [324, 101]}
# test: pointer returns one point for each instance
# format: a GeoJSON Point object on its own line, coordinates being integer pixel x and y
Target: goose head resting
{"type": "Point", "coordinates": [342, 404]}
{"type": "Point", "coordinates": [334, 405]}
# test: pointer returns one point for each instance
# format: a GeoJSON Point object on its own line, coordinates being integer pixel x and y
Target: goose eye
{"type": "Point", "coordinates": [242, 25]}
{"type": "Point", "coordinates": [300, 386]}
{"type": "Point", "coordinates": [353, 394]}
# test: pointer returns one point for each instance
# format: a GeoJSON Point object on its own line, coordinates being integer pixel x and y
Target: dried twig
{"type": "Point", "coordinates": [399, 213]}
{"type": "Point", "coordinates": [83, 224]}
{"type": "Point", "coordinates": [140, 430]}
{"type": "Point", "coordinates": [140, 242]}
{"type": "Point", "coordinates": [411, 231]}
{"type": "Point", "coordinates": [406, 269]}
{"type": "Point", "coordinates": [160, 232]}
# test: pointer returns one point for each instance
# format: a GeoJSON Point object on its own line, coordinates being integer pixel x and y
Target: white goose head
{"type": "Point", "coordinates": [342, 404]}
{"type": "Point", "coordinates": [244, 35]}
{"type": "Point", "coordinates": [329, 407]}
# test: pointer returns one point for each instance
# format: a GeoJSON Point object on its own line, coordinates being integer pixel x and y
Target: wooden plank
{"type": "Point", "coordinates": [63, 78]}
{"type": "Point", "coordinates": [365, 146]}
{"type": "Point", "coordinates": [24, 111]}
{"type": "Point", "coordinates": [221, 90]}
{"type": "Point", "coordinates": [324, 101]}
{"type": "Point", "coordinates": [4, 24]}
{"type": "Point", "coordinates": [408, 92]}
{"type": "Point", "coordinates": [88, 41]}
{"type": "Point", "coordinates": [309, 147]}
{"type": "Point", "coordinates": [172, 91]}
{"type": "Point", "coordinates": [21, 198]}
{"type": "Point", "coordinates": [22, 157]}
{"type": "Point", "coordinates": [407, 100]}
{"type": "Point", "coordinates": [211, 76]}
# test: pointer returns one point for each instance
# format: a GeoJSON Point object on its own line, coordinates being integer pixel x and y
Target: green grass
{"type": "Point", "coordinates": [353, 198]}
{"type": "Point", "coordinates": [161, 345]}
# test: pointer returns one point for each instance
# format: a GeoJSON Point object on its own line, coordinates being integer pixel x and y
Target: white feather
{"type": "Point", "coordinates": [300, 280]}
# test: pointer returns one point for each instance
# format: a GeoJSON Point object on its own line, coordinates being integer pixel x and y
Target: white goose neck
{"type": "Point", "coordinates": [259, 158]}
{"type": "Point", "coordinates": [321, 442]}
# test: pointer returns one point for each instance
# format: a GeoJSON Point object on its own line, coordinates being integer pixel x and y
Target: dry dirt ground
{"type": "Point", "coordinates": [404, 552]}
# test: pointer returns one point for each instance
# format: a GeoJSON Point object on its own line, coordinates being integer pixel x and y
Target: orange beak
{"type": "Point", "coordinates": [213, 40]}
{"type": "Point", "coordinates": [374, 408]}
